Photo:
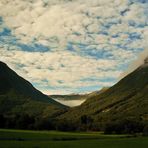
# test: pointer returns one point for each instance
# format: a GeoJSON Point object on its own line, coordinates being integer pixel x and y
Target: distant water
{"type": "Point", "coordinates": [70, 103]}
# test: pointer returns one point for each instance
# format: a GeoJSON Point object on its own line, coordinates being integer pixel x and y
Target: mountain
{"type": "Point", "coordinates": [18, 96]}
{"type": "Point", "coordinates": [128, 99]}
{"type": "Point", "coordinates": [98, 92]}
{"type": "Point", "coordinates": [76, 99]}
{"type": "Point", "coordinates": [69, 97]}
{"type": "Point", "coordinates": [78, 96]}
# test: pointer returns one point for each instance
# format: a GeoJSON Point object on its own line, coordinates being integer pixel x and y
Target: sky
{"type": "Point", "coordinates": [72, 46]}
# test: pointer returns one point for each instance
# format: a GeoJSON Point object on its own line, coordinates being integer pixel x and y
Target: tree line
{"type": "Point", "coordinates": [85, 123]}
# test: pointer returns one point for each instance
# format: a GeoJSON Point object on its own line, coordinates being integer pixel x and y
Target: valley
{"type": "Point", "coordinates": [73, 73]}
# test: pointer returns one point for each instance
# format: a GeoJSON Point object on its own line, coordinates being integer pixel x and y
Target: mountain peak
{"type": "Point", "coordinates": [2, 64]}
{"type": "Point", "coordinates": [11, 81]}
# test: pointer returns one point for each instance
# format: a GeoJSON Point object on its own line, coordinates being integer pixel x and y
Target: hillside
{"type": "Point", "coordinates": [128, 99]}
{"type": "Point", "coordinates": [18, 96]}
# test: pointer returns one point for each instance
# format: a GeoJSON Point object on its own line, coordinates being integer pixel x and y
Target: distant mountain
{"type": "Point", "coordinates": [69, 97]}
{"type": "Point", "coordinates": [19, 96]}
{"type": "Point", "coordinates": [75, 99]}
{"type": "Point", "coordinates": [98, 92]}
{"type": "Point", "coordinates": [126, 99]}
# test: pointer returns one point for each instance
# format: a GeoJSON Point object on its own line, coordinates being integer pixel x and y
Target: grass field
{"type": "Point", "coordinates": [53, 139]}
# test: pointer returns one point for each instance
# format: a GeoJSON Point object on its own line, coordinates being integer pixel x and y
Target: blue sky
{"type": "Point", "coordinates": [74, 46]}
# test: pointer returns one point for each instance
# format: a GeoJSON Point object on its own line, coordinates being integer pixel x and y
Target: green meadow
{"type": "Point", "coordinates": [53, 139]}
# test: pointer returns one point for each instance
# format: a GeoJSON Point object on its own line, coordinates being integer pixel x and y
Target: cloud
{"type": "Point", "coordinates": [54, 69]}
{"type": "Point", "coordinates": [136, 63]}
{"type": "Point", "coordinates": [55, 44]}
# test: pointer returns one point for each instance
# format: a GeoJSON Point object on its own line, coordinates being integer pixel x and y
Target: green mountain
{"type": "Point", "coordinates": [18, 96]}
{"type": "Point", "coordinates": [128, 99]}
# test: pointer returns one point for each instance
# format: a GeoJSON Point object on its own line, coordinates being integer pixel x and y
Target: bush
{"type": "Point", "coordinates": [145, 130]}
{"type": "Point", "coordinates": [2, 121]}
{"type": "Point", "coordinates": [24, 121]}
{"type": "Point", "coordinates": [65, 125]}
{"type": "Point", "coordinates": [123, 127]}
{"type": "Point", "coordinates": [43, 124]}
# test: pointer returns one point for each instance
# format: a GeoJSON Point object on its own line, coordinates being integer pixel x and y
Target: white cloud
{"type": "Point", "coordinates": [31, 19]}
{"type": "Point", "coordinates": [136, 63]}
{"type": "Point", "coordinates": [55, 23]}
{"type": "Point", "coordinates": [60, 19]}
{"type": "Point", "coordinates": [54, 67]}
{"type": "Point", "coordinates": [136, 14]}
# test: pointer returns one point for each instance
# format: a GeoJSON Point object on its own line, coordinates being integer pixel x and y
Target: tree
{"type": "Point", "coordinates": [145, 130]}
{"type": "Point", "coordinates": [43, 124]}
{"type": "Point", "coordinates": [24, 121]}
{"type": "Point", "coordinates": [2, 121]}
{"type": "Point", "coordinates": [125, 126]}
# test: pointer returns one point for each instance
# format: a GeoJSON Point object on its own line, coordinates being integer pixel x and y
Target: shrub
{"type": "Point", "coordinates": [145, 130]}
